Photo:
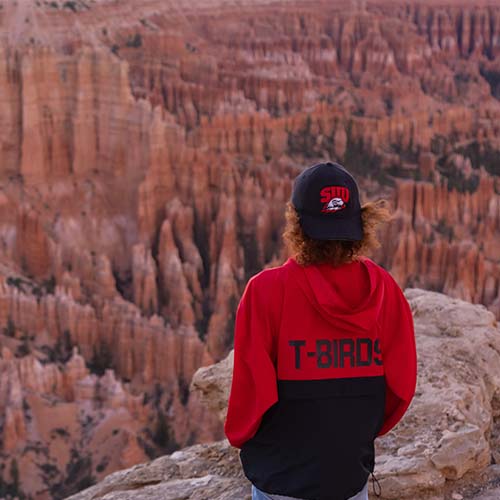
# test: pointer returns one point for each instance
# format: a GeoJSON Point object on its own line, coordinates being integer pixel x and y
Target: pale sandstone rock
{"type": "Point", "coordinates": [446, 432]}
{"type": "Point", "coordinates": [198, 472]}
{"type": "Point", "coordinates": [214, 384]}
{"type": "Point", "coordinates": [445, 436]}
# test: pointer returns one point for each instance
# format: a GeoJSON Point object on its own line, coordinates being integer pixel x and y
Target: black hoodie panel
{"type": "Point", "coordinates": [317, 441]}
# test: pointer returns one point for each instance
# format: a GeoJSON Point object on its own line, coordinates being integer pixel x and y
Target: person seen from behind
{"type": "Point", "coordinates": [324, 350]}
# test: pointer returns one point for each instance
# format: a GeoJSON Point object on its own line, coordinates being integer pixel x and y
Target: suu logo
{"type": "Point", "coordinates": [334, 198]}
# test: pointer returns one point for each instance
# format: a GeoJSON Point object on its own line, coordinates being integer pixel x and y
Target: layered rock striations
{"type": "Point", "coordinates": [440, 239]}
{"type": "Point", "coordinates": [64, 426]}
{"type": "Point", "coordinates": [146, 159]}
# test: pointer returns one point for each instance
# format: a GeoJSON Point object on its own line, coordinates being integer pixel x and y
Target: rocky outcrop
{"type": "Point", "coordinates": [200, 471]}
{"type": "Point", "coordinates": [443, 448]}
{"type": "Point", "coordinates": [213, 384]}
{"type": "Point", "coordinates": [447, 432]}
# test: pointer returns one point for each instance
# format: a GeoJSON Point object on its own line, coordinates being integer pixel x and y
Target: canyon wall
{"type": "Point", "coordinates": [146, 157]}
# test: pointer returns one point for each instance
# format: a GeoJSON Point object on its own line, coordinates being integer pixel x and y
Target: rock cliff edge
{"type": "Point", "coordinates": [446, 447]}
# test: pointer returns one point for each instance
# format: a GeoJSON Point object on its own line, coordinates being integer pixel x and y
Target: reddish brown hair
{"type": "Point", "coordinates": [308, 251]}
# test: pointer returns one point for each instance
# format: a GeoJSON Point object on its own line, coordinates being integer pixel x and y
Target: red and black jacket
{"type": "Point", "coordinates": [324, 362]}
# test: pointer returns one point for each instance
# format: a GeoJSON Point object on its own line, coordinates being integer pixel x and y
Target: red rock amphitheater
{"type": "Point", "coordinates": [146, 155]}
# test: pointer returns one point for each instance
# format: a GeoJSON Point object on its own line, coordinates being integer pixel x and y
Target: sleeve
{"type": "Point", "coordinates": [397, 344]}
{"type": "Point", "coordinates": [254, 386]}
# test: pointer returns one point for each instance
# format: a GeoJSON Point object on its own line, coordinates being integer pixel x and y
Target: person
{"type": "Point", "coordinates": [324, 350]}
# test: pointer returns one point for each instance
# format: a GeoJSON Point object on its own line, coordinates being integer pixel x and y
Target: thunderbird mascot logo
{"type": "Point", "coordinates": [334, 198]}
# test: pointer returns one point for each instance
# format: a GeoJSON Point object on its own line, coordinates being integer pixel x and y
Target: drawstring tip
{"type": "Point", "coordinates": [377, 489]}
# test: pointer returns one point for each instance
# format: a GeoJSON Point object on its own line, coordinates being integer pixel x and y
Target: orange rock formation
{"type": "Point", "coordinates": [146, 158]}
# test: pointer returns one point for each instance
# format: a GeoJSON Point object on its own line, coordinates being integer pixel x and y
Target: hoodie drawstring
{"type": "Point", "coordinates": [378, 490]}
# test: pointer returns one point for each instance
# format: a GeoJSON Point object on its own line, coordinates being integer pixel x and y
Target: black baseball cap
{"type": "Point", "coordinates": [326, 198]}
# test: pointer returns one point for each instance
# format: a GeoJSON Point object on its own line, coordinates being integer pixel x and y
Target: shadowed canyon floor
{"type": "Point", "coordinates": [146, 156]}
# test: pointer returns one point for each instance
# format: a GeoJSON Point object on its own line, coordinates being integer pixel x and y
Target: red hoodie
{"type": "Point", "coordinates": [330, 338]}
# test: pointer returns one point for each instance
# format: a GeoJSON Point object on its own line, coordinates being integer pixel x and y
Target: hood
{"type": "Point", "coordinates": [349, 296]}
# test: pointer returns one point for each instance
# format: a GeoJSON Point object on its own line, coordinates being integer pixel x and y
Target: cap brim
{"type": "Point", "coordinates": [328, 227]}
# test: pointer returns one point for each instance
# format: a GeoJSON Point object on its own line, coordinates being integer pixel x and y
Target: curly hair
{"type": "Point", "coordinates": [309, 251]}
